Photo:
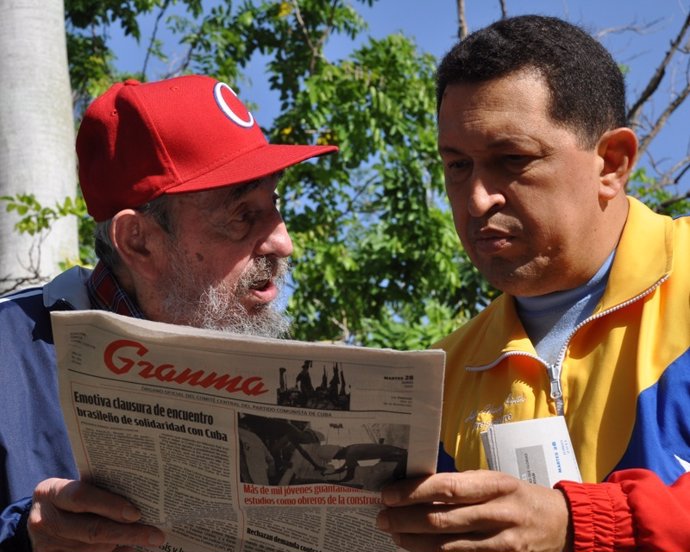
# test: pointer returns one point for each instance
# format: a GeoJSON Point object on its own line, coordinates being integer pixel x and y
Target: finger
{"type": "Point", "coordinates": [447, 528]}
{"type": "Point", "coordinates": [455, 543]}
{"type": "Point", "coordinates": [439, 519]}
{"type": "Point", "coordinates": [79, 497]}
{"type": "Point", "coordinates": [94, 529]}
{"type": "Point", "coordinates": [50, 543]}
{"type": "Point", "coordinates": [60, 515]}
{"type": "Point", "coordinates": [75, 546]}
{"type": "Point", "coordinates": [469, 487]}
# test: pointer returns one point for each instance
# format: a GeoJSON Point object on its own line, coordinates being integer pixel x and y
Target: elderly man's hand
{"type": "Point", "coordinates": [74, 516]}
{"type": "Point", "coordinates": [474, 510]}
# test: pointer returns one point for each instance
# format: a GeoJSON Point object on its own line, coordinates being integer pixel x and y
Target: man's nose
{"type": "Point", "coordinates": [277, 241]}
{"type": "Point", "coordinates": [484, 197]}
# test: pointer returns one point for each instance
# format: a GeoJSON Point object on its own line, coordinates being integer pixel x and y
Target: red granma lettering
{"type": "Point", "coordinates": [118, 359]}
{"type": "Point", "coordinates": [125, 363]}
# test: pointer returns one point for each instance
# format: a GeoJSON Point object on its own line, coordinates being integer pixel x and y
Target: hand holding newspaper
{"type": "Point", "coordinates": [247, 444]}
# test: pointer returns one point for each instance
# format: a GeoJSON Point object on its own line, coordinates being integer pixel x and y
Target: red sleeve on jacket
{"type": "Point", "coordinates": [632, 510]}
{"type": "Point", "coordinates": [600, 515]}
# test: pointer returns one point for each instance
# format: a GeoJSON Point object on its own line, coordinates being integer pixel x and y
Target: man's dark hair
{"type": "Point", "coordinates": [585, 84]}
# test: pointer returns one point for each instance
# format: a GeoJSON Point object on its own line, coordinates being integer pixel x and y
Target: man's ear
{"type": "Point", "coordinates": [618, 150]}
{"type": "Point", "coordinates": [138, 241]}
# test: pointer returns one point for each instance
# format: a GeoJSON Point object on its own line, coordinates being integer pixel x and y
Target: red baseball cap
{"type": "Point", "coordinates": [141, 140]}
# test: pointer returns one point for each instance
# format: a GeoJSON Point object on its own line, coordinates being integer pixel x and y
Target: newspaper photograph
{"type": "Point", "coordinates": [245, 444]}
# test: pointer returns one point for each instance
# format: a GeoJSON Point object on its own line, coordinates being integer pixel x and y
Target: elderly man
{"type": "Point", "coordinates": [182, 184]}
{"type": "Point", "coordinates": [594, 322]}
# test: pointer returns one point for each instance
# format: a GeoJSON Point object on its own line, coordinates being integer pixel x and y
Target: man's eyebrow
{"type": "Point", "coordinates": [508, 141]}
{"type": "Point", "coordinates": [512, 141]}
{"type": "Point", "coordinates": [238, 191]}
{"type": "Point", "coordinates": [449, 150]}
{"type": "Point", "coordinates": [235, 193]}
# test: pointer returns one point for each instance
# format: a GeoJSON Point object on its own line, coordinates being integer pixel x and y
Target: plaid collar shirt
{"type": "Point", "coordinates": [105, 293]}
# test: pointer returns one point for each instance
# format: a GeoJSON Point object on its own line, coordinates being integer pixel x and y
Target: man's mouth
{"type": "Point", "coordinates": [260, 285]}
{"type": "Point", "coordinates": [492, 244]}
{"type": "Point", "coordinates": [262, 292]}
{"type": "Point", "coordinates": [490, 240]}
{"type": "Point", "coordinates": [262, 282]}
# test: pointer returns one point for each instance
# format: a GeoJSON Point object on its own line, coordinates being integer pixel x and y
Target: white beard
{"type": "Point", "coordinates": [193, 302]}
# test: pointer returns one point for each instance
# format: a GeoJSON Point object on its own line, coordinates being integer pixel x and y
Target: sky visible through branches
{"type": "Point", "coordinates": [637, 32]}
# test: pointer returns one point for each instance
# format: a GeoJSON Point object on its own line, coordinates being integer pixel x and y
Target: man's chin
{"type": "Point", "coordinates": [255, 309]}
{"type": "Point", "coordinates": [259, 320]}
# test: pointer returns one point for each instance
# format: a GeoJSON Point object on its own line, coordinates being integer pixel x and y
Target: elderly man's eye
{"type": "Point", "coordinates": [458, 165]}
{"type": "Point", "coordinates": [517, 158]}
{"type": "Point", "coordinates": [245, 219]}
{"type": "Point", "coordinates": [236, 227]}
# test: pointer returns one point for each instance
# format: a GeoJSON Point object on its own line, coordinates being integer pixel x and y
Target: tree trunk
{"type": "Point", "coordinates": [462, 21]}
{"type": "Point", "coordinates": [36, 135]}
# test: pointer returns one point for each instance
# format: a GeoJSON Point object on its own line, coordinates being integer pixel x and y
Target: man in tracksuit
{"type": "Point", "coordinates": [594, 322]}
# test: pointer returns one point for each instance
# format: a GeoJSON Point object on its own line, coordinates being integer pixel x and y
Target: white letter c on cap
{"type": "Point", "coordinates": [225, 108]}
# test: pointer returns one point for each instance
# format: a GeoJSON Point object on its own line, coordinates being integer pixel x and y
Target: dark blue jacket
{"type": "Point", "coordinates": [33, 439]}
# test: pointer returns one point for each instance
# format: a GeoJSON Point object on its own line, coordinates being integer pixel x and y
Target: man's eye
{"type": "Point", "coordinates": [237, 227]}
{"type": "Point", "coordinates": [246, 219]}
{"type": "Point", "coordinates": [458, 165]}
{"type": "Point", "coordinates": [517, 159]}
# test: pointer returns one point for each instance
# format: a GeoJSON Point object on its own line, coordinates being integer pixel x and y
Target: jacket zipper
{"type": "Point", "coordinates": [554, 370]}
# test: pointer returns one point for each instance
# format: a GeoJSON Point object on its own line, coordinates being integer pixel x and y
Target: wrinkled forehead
{"type": "Point", "coordinates": [225, 197]}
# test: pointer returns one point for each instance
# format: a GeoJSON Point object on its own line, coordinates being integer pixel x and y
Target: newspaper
{"type": "Point", "coordinates": [245, 444]}
{"type": "Point", "coordinates": [538, 451]}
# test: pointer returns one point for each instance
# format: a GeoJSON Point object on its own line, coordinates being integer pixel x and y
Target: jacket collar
{"type": "Point", "coordinates": [644, 256]}
{"type": "Point", "coordinates": [68, 288]}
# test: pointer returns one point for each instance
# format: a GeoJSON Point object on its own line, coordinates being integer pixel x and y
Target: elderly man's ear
{"type": "Point", "coordinates": [141, 244]}
{"type": "Point", "coordinates": [618, 151]}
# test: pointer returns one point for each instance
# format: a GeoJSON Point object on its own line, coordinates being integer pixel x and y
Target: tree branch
{"type": "Point", "coordinates": [315, 49]}
{"type": "Point", "coordinates": [682, 172]}
{"type": "Point", "coordinates": [462, 21]}
{"type": "Point", "coordinates": [657, 77]}
{"type": "Point", "coordinates": [33, 277]}
{"type": "Point", "coordinates": [667, 203]}
{"type": "Point", "coordinates": [638, 29]}
{"type": "Point", "coordinates": [154, 33]}
{"type": "Point", "coordinates": [673, 175]}
{"type": "Point", "coordinates": [661, 121]}
{"type": "Point", "coordinates": [186, 61]}
{"type": "Point", "coordinates": [8, 285]}
{"type": "Point", "coordinates": [324, 36]}
{"type": "Point", "coordinates": [303, 26]}
{"type": "Point", "coordinates": [504, 10]}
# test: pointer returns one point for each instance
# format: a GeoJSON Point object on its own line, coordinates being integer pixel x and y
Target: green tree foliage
{"type": "Point", "coordinates": [88, 26]}
{"type": "Point", "coordinates": [662, 199]}
{"type": "Point", "coordinates": [377, 261]}
{"type": "Point", "coordinates": [37, 219]}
